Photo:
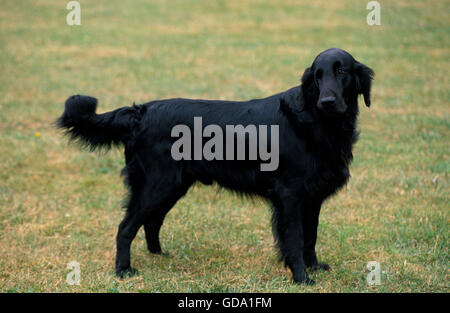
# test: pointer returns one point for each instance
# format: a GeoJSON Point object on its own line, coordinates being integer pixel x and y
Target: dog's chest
{"type": "Point", "coordinates": [325, 180]}
{"type": "Point", "coordinates": [329, 169]}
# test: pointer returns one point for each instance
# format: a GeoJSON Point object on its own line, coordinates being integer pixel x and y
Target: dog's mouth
{"type": "Point", "coordinates": [331, 102]}
{"type": "Point", "coordinates": [335, 108]}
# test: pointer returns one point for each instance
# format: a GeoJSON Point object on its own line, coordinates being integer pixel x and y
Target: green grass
{"type": "Point", "coordinates": [59, 203]}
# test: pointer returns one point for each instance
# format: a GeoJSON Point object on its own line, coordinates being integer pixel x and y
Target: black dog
{"type": "Point", "coordinates": [317, 129]}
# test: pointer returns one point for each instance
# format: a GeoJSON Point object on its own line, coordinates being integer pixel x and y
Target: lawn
{"type": "Point", "coordinates": [59, 203]}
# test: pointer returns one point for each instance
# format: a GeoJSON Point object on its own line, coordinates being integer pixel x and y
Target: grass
{"type": "Point", "coordinates": [59, 203]}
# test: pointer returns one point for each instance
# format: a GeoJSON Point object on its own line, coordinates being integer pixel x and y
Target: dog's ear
{"type": "Point", "coordinates": [307, 89]}
{"type": "Point", "coordinates": [307, 77]}
{"type": "Point", "coordinates": [364, 76]}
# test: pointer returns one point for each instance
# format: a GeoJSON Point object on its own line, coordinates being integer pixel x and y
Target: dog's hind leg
{"type": "Point", "coordinates": [155, 219]}
{"type": "Point", "coordinates": [148, 205]}
{"type": "Point", "coordinates": [152, 228]}
{"type": "Point", "coordinates": [157, 214]}
{"type": "Point", "coordinates": [127, 231]}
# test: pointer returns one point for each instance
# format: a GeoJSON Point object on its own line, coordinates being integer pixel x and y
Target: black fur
{"type": "Point", "coordinates": [317, 129]}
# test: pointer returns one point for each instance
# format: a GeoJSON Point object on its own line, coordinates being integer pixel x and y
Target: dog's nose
{"type": "Point", "coordinates": [328, 101]}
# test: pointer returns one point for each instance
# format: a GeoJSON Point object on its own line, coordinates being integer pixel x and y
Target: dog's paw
{"type": "Point", "coordinates": [303, 278]}
{"type": "Point", "coordinates": [127, 272]}
{"type": "Point", "coordinates": [320, 266]}
{"type": "Point", "coordinates": [165, 254]}
{"type": "Point", "coordinates": [307, 281]}
{"type": "Point", "coordinates": [157, 250]}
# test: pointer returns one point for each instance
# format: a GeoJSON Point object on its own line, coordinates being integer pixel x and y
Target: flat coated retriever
{"type": "Point", "coordinates": [317, 129]}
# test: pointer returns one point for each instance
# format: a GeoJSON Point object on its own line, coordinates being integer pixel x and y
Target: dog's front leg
{"type": "Point", "coordinates": [310, 221]}
{"type": "Point", "coordinates": [289, 233]}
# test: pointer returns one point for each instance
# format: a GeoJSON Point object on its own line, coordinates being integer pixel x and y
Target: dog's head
{"type": "Point", "coordinates": [334, 79]}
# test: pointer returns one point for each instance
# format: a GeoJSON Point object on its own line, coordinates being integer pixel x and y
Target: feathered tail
{"type": "Point", "coordinates": [93, 130]}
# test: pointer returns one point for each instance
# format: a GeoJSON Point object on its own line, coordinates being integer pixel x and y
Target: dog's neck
{"type": "Point", "coordinates": [334, 135]}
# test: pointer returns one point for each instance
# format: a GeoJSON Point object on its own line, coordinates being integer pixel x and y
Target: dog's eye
{"type": "Point", "coordinates": [340, 71]}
